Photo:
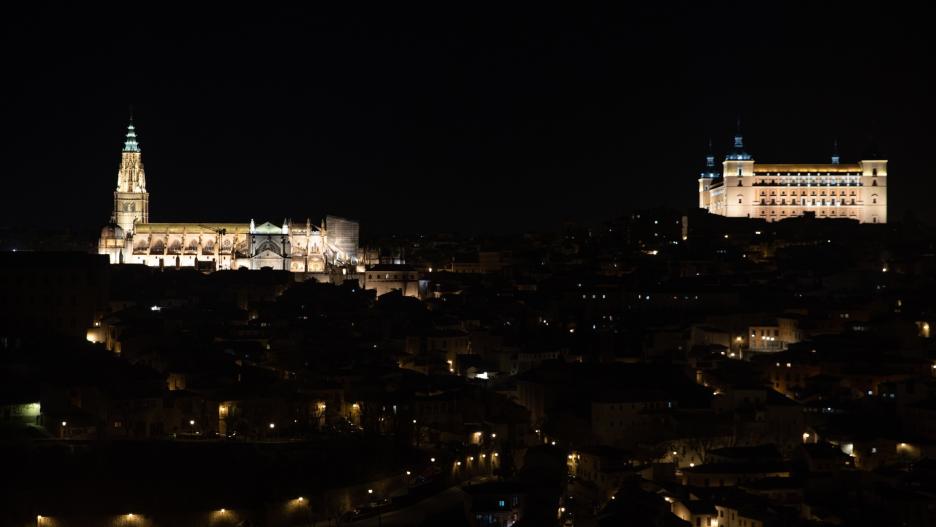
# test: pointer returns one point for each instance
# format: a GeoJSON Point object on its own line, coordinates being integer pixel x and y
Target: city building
{"type": "Point", "coordinates": [130, 237]}
{"type": "Point", "coordinates": [747, 189]}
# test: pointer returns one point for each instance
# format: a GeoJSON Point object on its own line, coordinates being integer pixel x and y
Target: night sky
{"type": "Point", "coordinates": [441, 118]}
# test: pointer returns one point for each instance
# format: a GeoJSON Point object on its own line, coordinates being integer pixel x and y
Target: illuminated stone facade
{"type": "Point", "coordinates": [772, 192]}
{"type": "Point", "coordinates": [297, 247]}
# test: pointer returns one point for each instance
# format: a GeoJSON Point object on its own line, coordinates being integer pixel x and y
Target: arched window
{"type": "Point", "coordinates": [873, 171]}
{"type": "Point", "coordinates": [873, 182]}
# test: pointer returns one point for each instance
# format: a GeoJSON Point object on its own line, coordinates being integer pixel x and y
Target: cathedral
{"type": "Point", "coordinates": [772, 192]}
{"type": "Point", "coordinates": [131, 238]}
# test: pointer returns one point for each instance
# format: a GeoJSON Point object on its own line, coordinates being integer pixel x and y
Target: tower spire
{"type": "Point", "coordinates": [709, 170]}
{"type": "Point", "coordinates": [835, 153]}
{"type": "Point", "coordinates": [131, 201]}
{"type": "Point", "coordinates": [737, 151]}
{"type": "Point", "coordinates": [738, 139]}
{"type": "Point", "coordinates": [131, 145]}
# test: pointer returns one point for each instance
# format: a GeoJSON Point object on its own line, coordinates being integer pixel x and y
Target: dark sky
{"type": "Point", "coordinates": [448, 118]}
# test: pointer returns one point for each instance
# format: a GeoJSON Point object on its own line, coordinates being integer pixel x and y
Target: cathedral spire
{"type": "Point", "coordinates": [131, 145]}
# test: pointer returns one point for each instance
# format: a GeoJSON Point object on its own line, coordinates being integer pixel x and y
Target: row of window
{"type": "Point", "coordinates": [821, 203]}
{"type": "Point", "coordinates": [812, 174]}
{"type": "Point", "coordinates": [803, 193]}
{"type": "Point", "coordinates": [821, 213]}
{"type": "Point", "coordinates": [386, 276]}
{"type": "Point", "coordinates": [796, 184]}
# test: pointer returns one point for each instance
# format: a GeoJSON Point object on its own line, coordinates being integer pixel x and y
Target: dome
{"type": "Point", "coordinates": [112, 231]}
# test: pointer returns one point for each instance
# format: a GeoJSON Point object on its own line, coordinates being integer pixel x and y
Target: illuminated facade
{"type": "Point", "coordinates": [297, 247]}
{"type": "Point", "coordinates": [774, 192]}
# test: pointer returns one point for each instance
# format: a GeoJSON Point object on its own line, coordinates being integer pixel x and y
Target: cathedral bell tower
{"type": "Point", "coordinates": [131, 201]}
